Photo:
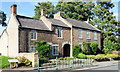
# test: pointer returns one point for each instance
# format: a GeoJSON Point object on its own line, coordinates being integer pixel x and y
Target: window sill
{"type": "Point", "coordinates": [80, 38]}
{"type": "Point", "coordinates": [60, 38]}
{"type": "Point", "coordinates": [34, 39]}
{"type": "Point", "coordinates": [88, 39]}
{"type": "Point", "coordinates": [95, 39]}
{"type": "Point", "coordinates": [55, 55]}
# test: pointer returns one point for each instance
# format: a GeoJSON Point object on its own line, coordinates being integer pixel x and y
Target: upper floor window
{"type": "Point", "coordinates": [33, 35]}
{"type": "Point", "coordinates": [80, 33]}
{"type": "Point", "coordinates": [59, 32]}
{"type": "Point", "coordinates": [95, 35]}
{"type": "Point", "coordinates": [88, 34]}
{"type": "Point", "coordinates": [33, 48]}
{"type": "Point", "coordinates": [55, 50]}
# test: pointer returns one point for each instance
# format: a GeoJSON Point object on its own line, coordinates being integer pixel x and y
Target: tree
{"type": "Point", "coordinates": [104, 20]}
{"type": "Point", "coordinates": [75, 10]}
{"type": "Point", "coordinates": [85, 49]}
{"type": "Point", "coordinates": [76, 50]}
{"type": "Point", "coordinates": [2, 18]}
{"type": "Point", "coordinates": [110, 46]}
{"type": "Point", "coordinates": [49, 8]}
{"type": "Point", "coordinates": [43, 49]}
{"type": "Point", "coordinates": [94, 47]}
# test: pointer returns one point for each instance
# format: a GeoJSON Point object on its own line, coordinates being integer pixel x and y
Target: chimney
{"type": "Point", "coordinates": [14, 9]}
{"type": "Point", "coordinates": [43, 13]}
{"type": "Point", "coordinates": [87, 20]}
{"type": "Point", "coordinates": [58, 15]}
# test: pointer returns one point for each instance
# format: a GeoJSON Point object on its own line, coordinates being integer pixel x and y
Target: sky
{"type": "Point", "coordinates": [26, 8]}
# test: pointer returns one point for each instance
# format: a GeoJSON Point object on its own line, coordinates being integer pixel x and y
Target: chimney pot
{"type": "Point", "coordinates": [43, 13]}
{"type": "Point", "coordinates": [14, 9]}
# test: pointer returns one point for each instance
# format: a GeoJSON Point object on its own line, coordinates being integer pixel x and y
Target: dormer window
{"type": "Point", "coordinates": [59, 32]}
{"type": "Point", "coordinates": [33, 35]}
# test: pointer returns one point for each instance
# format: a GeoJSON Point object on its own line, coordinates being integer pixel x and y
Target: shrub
{"type": "Point", "coordinates": [88, 56]}
{"type": "Point", "coordinates": [4, 61]}
{"type": "Point", "coordinates": [68, 58]}
{"type": "Point", "coordinates": [109, 46]}
{"type": "Point", "coordinates": [43, 49]}
{"type": "Point", "coordinates": [61, 58]}
{"type": "Point", "coordinates": [86, 50]}
{"type": "Point", "coordinates": [116, 52]}
{"type": "Point", "coordinates": [23, 60]}
{"type": "Point", "coordinates": [101, 57]}
{"type": "Point", "coordinates": [76, 50]}
{"type": "Point", "coordinates": [94, 47]}
{"type": "Point", "coordinates": [82, 55]}
{"type": "Point", "coordinates": [113, 56]}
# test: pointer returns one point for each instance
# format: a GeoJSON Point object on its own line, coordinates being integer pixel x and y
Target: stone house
{"type": "Point", "coordinates": [18, 39]}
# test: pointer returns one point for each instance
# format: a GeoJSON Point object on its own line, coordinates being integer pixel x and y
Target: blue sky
{"type": "Point", "coordinates": [27, 8]}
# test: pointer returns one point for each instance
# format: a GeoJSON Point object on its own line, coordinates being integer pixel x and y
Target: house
{"type": "Point", "coordinates": [18, 39]}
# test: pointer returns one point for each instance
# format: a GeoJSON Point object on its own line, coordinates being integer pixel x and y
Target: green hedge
{"type": "Point", "coordinates": [80, 55]}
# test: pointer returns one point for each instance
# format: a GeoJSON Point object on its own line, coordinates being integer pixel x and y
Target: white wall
{"type": "Point", "coordinates": [4, 44]}
{"type": "Point", "coordinates": [12, 30]}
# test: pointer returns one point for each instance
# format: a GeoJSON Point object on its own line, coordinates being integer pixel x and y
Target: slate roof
{"type": "Point", "coordinates": [58, 22]}
{"type": "Point", "coordinates": [81, 24]}
{"type": "Point", "coordinates": [28, 22]}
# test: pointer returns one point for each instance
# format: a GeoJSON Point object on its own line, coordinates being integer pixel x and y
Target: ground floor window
{"type": "Point", "coordinates": [55, 50]}
{"type": "Point", "coordinates": [33, 48]}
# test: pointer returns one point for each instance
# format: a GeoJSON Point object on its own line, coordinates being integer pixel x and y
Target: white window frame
{"type": "Point", "coordinates": [59, 28]}
{"type": "Point", "coordinates": [53, 50]}
{"type": "Point", "coordinates": [88, 34]}
{"type": "Point", "coordinates": [81, 45]}
{"type": "Point", "coordinates": [80, 33]}
{"type": "Point", "coordinates": [95, 35]}
{"type": "Point", "coordinates": [34, 47]}
{"type": "Point", "coordinates": [33, 31]}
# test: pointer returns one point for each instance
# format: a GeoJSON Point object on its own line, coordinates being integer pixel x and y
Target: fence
{"type": "Point", "coordinates": [58, 64]}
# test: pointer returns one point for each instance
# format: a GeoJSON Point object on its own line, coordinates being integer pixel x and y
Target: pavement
{"type": "Point", "coordinates": [101, 65]}
{"type": "Point", "coordinates": [95, 66]}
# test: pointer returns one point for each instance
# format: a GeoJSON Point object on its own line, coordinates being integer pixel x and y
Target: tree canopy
{"type": "Point", "coordinates": [49, 8]}
{"type": "Point", "coordinates": [2, 18]}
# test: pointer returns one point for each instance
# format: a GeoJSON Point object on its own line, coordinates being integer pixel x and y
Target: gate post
{"type": "Point", "coordinates": [56, 63]}
{"type": "Point", "coordinates": [82, 61]}
{"type": "Point", "coordinates": [70, 62]}
{"type": "Point", "coordinates": [91, 60]}
{"type": "Point", "coordinates": [38, 64]}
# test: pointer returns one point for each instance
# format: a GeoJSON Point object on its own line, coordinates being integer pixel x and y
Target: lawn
{"type": "Point", "coordinates": [4, 61]}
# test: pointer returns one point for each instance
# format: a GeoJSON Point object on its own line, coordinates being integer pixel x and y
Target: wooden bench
{"type": "Point", "coordinates": [12, 61]}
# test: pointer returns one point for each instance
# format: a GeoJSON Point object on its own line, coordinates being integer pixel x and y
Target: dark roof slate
{"type": "Point", "coordinates": [58, 22]}
{"type": "Point", "coordinates": [81, 24]}
{"type": "Point", "coordinates": [28, 22]}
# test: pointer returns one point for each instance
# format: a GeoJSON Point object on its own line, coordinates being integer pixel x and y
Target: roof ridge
{"type": "Point", "coordinates": [27, 17]}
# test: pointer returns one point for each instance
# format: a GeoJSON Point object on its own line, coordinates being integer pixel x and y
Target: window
{"type": "Point", "coordinates": [33, 35]}
{"type": "Point", "coordinates": [55, 50]}
{"type": "Point", "coordinates": [80, 45]}
{"type": "Point", "coordinates": [80, 33]}
{"type": "Point", "coordinates": [33, 48]}
{"type": "Point", "coordinates": [95, 35]}
{"type": "Point", "coordinates": [88, 34]}
{"type": "Point", "coordinates": [59, 32]}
